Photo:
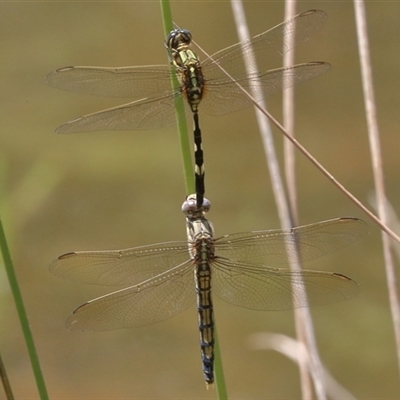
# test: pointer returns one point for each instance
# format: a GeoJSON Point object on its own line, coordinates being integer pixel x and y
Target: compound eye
{"type": "Point", "coordinates": [206, 205]}
{"type": "Point", "coordinates": [178, 36]}
{"type": "Point", "coordinates": [189, 206]}
{"type": "Point", "coordinates": [185, 36]}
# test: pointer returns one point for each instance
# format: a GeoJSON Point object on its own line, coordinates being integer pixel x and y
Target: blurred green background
{"type": "Point", "coordinates": [112, 190]}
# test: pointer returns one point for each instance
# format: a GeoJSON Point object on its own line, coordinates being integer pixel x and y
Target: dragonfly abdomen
{"type": "Point", "coordinates": [205, 312]}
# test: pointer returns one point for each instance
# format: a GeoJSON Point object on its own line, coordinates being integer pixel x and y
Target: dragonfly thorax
{"type": "Point", "coordinates": [197, 226]}
{"type": "Point", "coordinates": [192, 82]}
{"type": "Point", "coordinates": [199, 229]}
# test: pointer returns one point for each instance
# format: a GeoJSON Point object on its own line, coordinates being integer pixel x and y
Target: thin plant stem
{"type": "Point", "coordinates": [291, 186]}
{"type": "Point", "coordinates": [222, 394]}
{"type": "Point", "coordinates": [376, 158]}
{"type": "Point", "coordinates": [188, 170]}
{"type": "Point", "coordinates": [393, 221]}
{"type": "Point", "coordinates": [290, 174]}
{"type": "Point", "coordinates": [22, 315]}
{"type": "Point", "coordinates": [6, 383]}
{"type": "Point", "coordinates": [288, 122]}
{"type": "Point", "coordinates": [303, 321]}
{"type": "Point", "coordinates": [189, 180]}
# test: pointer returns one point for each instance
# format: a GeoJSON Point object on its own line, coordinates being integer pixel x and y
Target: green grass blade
{"type": "Point", "coordinates": [218, 370]}
{"type": "Point", "coordinates": [6, 383]}
{"type": "Point", "coordinates": [180, 110]}
{"type": "Point", "coordinates": [189, 180]}
{"type": "Point", "coordinates": [22, 315]}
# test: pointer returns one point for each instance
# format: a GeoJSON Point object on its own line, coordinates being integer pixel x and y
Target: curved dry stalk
{"type": "Point", "coordinates": [303, 322]}
{"type": "Point", "coordinates": [376, 157]}
{"type": "Point", "coordinates": [288, 123]}
{"type": "Point", "coordinates": [295, 350]}
{"type": "Point", "coordinates": [291, 187]}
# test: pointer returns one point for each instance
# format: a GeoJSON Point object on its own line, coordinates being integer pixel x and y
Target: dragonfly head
{"type": "Point", "coordinates": [177, 39]}
{"type": "Point", "coordinates": [190, 208]}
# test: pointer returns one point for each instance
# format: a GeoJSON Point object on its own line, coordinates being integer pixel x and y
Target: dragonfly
{"type": "Point", "coordinates": [247, 269]}
{"type": "Point", "coordinates": [203, 82]}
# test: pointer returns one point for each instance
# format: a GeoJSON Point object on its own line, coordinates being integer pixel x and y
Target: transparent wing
{"type": "Point", "coordinates": [142, 114]}
{"type": "Point", "coordinates": [262, 288]}
{"type": "Point", "coordinates": [274, 42]}
{"type": "Point", "coordinates": [120, 267]}
{"type": "Point", "coordinates": [223, 97]}
{"type": "Point", "coordinates": [278, 247]}
{"type": "Point", "coordinates": [134, 82]}
{"type": "Point", "coordinates": [152, 301]}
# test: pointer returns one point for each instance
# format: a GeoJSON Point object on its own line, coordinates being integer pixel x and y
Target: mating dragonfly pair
{"type": "Point", "coordinates": [240, 268]}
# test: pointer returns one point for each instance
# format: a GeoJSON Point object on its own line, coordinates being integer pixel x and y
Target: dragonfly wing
{"type": "Point", "coordinates": [134, 82]}
{"type": "Point", "coordinates": [142, 114]}
{"type": "Point", "coordinates": [261, 288]}
{"type": "Point", "coordinates": [280, 247]}
{"type": "Point", "coordinates": [120, 267]}
{"type": "Point", "coordinates": [227, 96]}
{"type": "Point", "coordinates": [274, 42]}
{"type": "Point", "coordinates": [152, 301]}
